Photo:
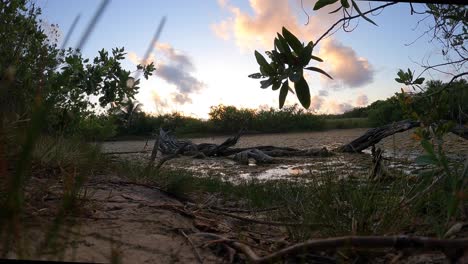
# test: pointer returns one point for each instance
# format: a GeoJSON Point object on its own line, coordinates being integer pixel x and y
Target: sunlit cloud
{"type": "Point", "coordinates": [135, 59]}
{"type": "Point", "coordinates": [343, 64]}
{"type": "Point", "coordinates": [222, 29]}
{"type": "Point", "coordinates": [334, 107]}
{"type": "Point", "coordinates": [316, 103]}
{"type": "Point", "coordinates": [258, 28]}
{"type": "Point", "coordinates": [362, 100]}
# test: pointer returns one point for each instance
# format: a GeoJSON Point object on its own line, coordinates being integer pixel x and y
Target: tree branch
{"type": "Point", "coordinates": [350, 18]}
{"type": "Point", "coordinates": [449, 247]}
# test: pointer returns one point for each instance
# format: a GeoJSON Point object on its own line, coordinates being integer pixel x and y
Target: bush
{"type": "Point", "coordinates": [97, 128]}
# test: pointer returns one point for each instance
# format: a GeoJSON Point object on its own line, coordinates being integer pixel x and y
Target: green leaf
{"type": "Point", "coordinates": [266, 83]}
{"type": "Point", "coordinates": [428, 147]}
{"type": "Point", "coordinates": [302, 92]}
{"type": "Point", "coordinates": [306, 54]}
{"type": "Point", "coordinates": [276, 85]}
{"type": "Point", "coordinates": [419, 80]}
{"type": "Point", "coordinates": [295, 76]}
{"type": "Point", "coordinates": [286, 49]}
{"type": "Point", "coordinates": [256, 75]}
{"type": "Point", "coordinates": [345, 3]}
{"type": "Point", "coordinates": [361, 14]}
{"type": "Point", "coordinates": [283, 93]}
{"type": "Point", "coordinates": [263, 63]}
{"type": "Point", "coordinates": [401, 74]}
{"type": "Point", "coordinates": [425, 160]}
{"type": "Point", "coordinates": [398, 80]}
{"type": "Point", "coordinates": [278, 45]}
{"type": "Point", "coordinates": [319, 70]}
{"type": "Point", "coordinates": [293, 41]}
{"type": "Point", "coordinates": [322, 3]}
{"type": "Point", "coordinates": [316, 58]}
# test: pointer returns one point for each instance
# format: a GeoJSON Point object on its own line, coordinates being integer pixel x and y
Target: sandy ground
{"type": "Point", "coordinates": [141, 224]}
{"type": "Point", "coordinates": [132, 223]}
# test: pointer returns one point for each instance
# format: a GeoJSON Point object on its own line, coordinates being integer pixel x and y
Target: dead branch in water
{"type": "Point", "coordinates": [374, 135]}
{"type": "Point", "coordinates": [169, 145]}
{"type": "Point", "coordinates": [452, 248]}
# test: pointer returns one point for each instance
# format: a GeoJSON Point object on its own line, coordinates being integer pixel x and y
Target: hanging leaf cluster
{"type": "Point", "coordinates": [289, 59]}
{"type": "Point", "coordinates": [344, 5]}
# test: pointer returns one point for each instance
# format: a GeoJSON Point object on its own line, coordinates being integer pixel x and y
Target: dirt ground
{"type": "Point", "coordinates": [137, 223]}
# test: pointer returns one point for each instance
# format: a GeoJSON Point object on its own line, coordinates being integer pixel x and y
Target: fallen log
{"type": "Point", "coordinates": [374, 135]}
{"type": "Point", "coordinates": [168, 145]}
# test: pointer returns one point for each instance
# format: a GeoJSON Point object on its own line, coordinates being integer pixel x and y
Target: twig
{"type": "Point", "coordinates": [196, 253]}
{"type": "Point", "coordinates": [125, 152]}
{"type": "Point", "coordinates": [261, 222]}
{"type": "Point", "coordinates": [397, 242]}
{"type": "Point", "coordinates": [237, 210]}
{"type": "Point", "coordinates": [171, 156]}
{"type": "Point", "coordinates": [303, 10]}
{"type": "Point", "coordinates": [350, 18]}
{"type": "Point", "coordinates": [154, 153]}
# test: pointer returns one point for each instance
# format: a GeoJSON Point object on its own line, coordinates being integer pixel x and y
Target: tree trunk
{"type": "Point", "coordinates": [374, 135]}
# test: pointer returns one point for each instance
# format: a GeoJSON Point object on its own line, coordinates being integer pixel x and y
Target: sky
{"type": "Point", "coordinates": [206, 50]}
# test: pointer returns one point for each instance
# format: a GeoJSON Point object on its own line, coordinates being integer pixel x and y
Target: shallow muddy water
{"type": "Point", "coordinates": [400, 151]}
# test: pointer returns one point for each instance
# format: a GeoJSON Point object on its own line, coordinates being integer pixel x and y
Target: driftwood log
{"type": "Point", "coordinates": [375, 135]}
{"type": "Point", "coordinates": [171, 147]}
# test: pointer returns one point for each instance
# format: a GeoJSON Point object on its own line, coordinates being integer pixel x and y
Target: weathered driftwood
{"type": "Point", "coordinates": [379, 170]}
{"type": "Point", "coordinates": [259, 157]}
{"type": "Point", "coordinates": [374, 135]}
{"type": "Point", "coordinates": [168, 145]}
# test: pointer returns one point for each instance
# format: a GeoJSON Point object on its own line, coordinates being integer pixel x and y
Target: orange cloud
{"type": "Point", "coordinates": [316, 103]}
{"type": "Point", "coordinates": [362, 100]}
{"type": "Point", "coordinates": [135, 59]}
{"type": "Point", "coordinates": [343, 64]}
{"type": "Point", "coordinates": [258, 29]}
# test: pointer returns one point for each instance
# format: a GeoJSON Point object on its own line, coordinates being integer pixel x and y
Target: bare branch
{"type": "Point", "coordinates": [344, 19]}
{"type": "Point", "coordinates": [447, 246]}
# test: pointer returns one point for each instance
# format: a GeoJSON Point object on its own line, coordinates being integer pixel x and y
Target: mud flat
{"type": "Point", "coordinates": [400, 149]}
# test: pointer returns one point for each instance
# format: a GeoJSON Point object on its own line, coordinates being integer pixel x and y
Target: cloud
{"type": "Point", "coordinates": [181, 98]}
{"type": "Point", "coordinates": [135, 59]}
{"type": "Point", "coordinates": [323, 93]}
{"type": "Point", "coordinates": [259, 27]}
{"type": "Point", "coordinates": [160, 103]}
{"type": "Point", "coordinates": [175, 68]}
{"type": "Point", "coordinates": [316, 102]}
{"type": "Point", "coordinates": [335, 107]}
{"type": "Point", "coordinates": [184, 81]}
{"type": "Point", "coordinates": [174, 57]}
{"type": "Point", "coordinates": [343, 64]}
{"type": "Point", "coordinates": [362, 100]}
{"type": "Point", "coordinates": [222, 29]}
